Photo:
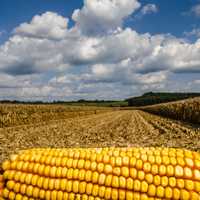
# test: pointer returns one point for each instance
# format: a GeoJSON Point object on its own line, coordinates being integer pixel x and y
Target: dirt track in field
{"type": "Point", "coordinates": [117, 128]}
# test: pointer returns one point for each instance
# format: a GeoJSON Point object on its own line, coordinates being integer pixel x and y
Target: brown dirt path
{"type": "Point", "coordinates": [118, 128]}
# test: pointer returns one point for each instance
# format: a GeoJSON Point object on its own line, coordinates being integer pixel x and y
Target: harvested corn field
{"type": "Point", "coordinates": [14, 114]}
{"type": "Point", "coordinates": [186, 110]}
{"type": "Point", "coordinates": [114, 128]}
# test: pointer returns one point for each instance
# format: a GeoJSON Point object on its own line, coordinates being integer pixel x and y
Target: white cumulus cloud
{"type": "Point", "coordinates": [99, 16]}
{"type": "Point", "coordinates": [96, 58]}
{"type": "Point", "coordinates": [148, 9]}
{"type": "Point", "coordinates": [48, 25]}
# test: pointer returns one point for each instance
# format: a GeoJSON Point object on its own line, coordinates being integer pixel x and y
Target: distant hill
{"type": "Point", "coordinates": [152, 98]}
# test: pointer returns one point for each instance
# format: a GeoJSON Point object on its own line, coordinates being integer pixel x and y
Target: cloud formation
{"type": "Point", "coordinates": [96, 58]}
{"type": "Point", "coordinates": [48, 25]}
{"type": "Point", "coordinates": [148, 9]}
{"type": "Point", "coordinates": [102, 16]}
{"type": "Point", "coordinates": [196, 10]}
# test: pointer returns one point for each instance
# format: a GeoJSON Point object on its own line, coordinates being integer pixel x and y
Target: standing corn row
{"type": "Point", "coordinates": [106, 173]}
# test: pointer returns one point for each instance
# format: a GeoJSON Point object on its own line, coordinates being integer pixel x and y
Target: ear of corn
{"type": "Point", "coordinates": [106, 173]}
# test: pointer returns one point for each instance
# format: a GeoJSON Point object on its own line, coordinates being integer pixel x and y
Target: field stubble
{"type": "Point", "coordinates": [116, 128]}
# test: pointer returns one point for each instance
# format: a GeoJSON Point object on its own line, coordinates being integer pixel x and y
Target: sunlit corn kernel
{"type": "Point", "coordinates": [129, 195]}
{"type": "Point", "coordinates": [106, 159]}
{"type": "Point", "coordinates": [144, 186]}
{"type": "Point", "coordinates": [164, 181]}
{"type": "Point", "coordinates": [170, 170]}
{"type": "Point", "coordinates": [147, 167]}
{"type": "Point", "coordinates": [129, 183]}
{"type": "Point", "coordinates": [69, 163]}
{"type": "Point", "coordinates": [17, 176]}
{"type": "Point", "coordinates": [40, 182]}
{"type": "Point", "coordinates": [122, 182]}
{"type": "Point", "coordinates": [75, 186]}
{"type": "Point", "coordinates": [23, 189]}
{"type": "Point", "coordinates": [180, 183]}
{"type": "Point", "coordinates": [154, 169]}
{"type": "Point", "coordinates": [69, 186]}
{"type": "Point", "coordinates": [125, 171]}
{"type": "Point", "coordinates": [176, 194]}
{"type": "Point", "coordinates": [88, 176]}
{"type": "Point", "coordinates": [196, 174]}
{"type": "Point", "coordinates": [10, 185]}
{"type": "Point", "coordinates": [6, 165]}
{"type": "Point", "coordinates": [151, 191]}
{"type": "Point", "coordinates": [149, 178]}
{"type": "Point", "coordinates": [75, 173]}
{"type": "Point", "coordinates": [162, 170]}
{"type": "Point", "coordinates": [45, 184]}
{"type": "Point", "coordinates": [108, 193]}
{"type": "Point", "coordinates": [47, 195]}
{"type": "Point", "coordinates": [28, 178]}
{"type": "Point", "coordinates": [53, 172]}
{"type": "Point", "coordinates": [41, 169]}
{"type": "Point", "coordinates": [95, 190]}
{"type": "Point", "coordinates": [11, 195]}
{"type": "Point", "coordinates": [197, 186]}
{"type": "Point", "coordinates": [197, 163]}
{"type": "Point", "coordinates": [189, 184]}
{"type": "Point", "coordinates": [173, 161]}
{"type": "Point", "coordinates": [180, 161]}
{"type": "Point", "coordinates": [125, 160]}
{"type": "Point", "coordinates": [133, 161]}
{"type": "Point", "coordinates": [172, 181]}
{"type": "Point", "coordinates": [118, 161]}
{"type": "Point", "coordinates": [82, 187]}
{"type": "Point", "coordinates": [178, 171]}
{"type": "Point", "coordinates": [100, 167]}
{"type": "Point", "coordinates": [137, 185]}
{"type": "Point", "coordinates": [93, 166]}
{"type": "Point", "coordinates": [76, 155]}
{"type": "Point", "coordinates": [117, 171]}
{"type": "Point", "coordinates": [151, 159]}
{"type": "Point", "coordinates": [194, 195]}
{"type": "Point", "coordinates": [16, 188]}
{"type": "Point", "coordinates": [34, 180]}
{"type": "Point", "coordinates": [157, 180]}
{"type": "Point", "coordinates": [133, 173]}
{"type": "Point", "coordinates": [144, 157]}
{"type": "Point", "coordinates": [18, 197]}
{"type": "Point", "coordinates": [102, 191]}
{"type": "Point", "coordinates": [29, 190]}
{"type": "Point", "coordinates": [57, 184]}
{"type": "Point", "coordinates": [95, 177]}
{"type": "Point", "coordinates": [158, 160]}
{"type": "Point", "coordinates": [122, 194]}
{"type": "Point", "coordinates": [102, 178]}
{"type": "Point", "coordinates": [108, 169]}
{"type": "Point", "coordinates": [139, 164]}
{"type": "Point", "coordinates": [36, 192]}
{"type": "Point", "coordinates": [89, 188]}
{"type": "Point", "coordinates": [70, 173]}
{"type": "Point", "coordinates": [185, 195]}
{"type": "Point", "coordinates": [165, 160]}
{"type": "Point", "coordinates": [108, 180]}
{"type": "Point", "coordinates": [168, 192]}
{"type": "Point", "coordinates": [160, 192]}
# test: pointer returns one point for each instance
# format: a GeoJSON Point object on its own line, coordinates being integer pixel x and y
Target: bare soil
{"type": "Point", "coordinates": [117, 128]}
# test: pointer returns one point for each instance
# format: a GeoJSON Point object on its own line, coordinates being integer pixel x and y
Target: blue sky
{"type": "Point", "coordinates": [174, 22]}
{"type": "Point", "coordinates": [64, 54]}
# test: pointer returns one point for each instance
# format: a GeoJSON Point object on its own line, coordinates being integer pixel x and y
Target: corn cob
{"type": "Point", "coordinates": [103, 173]}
